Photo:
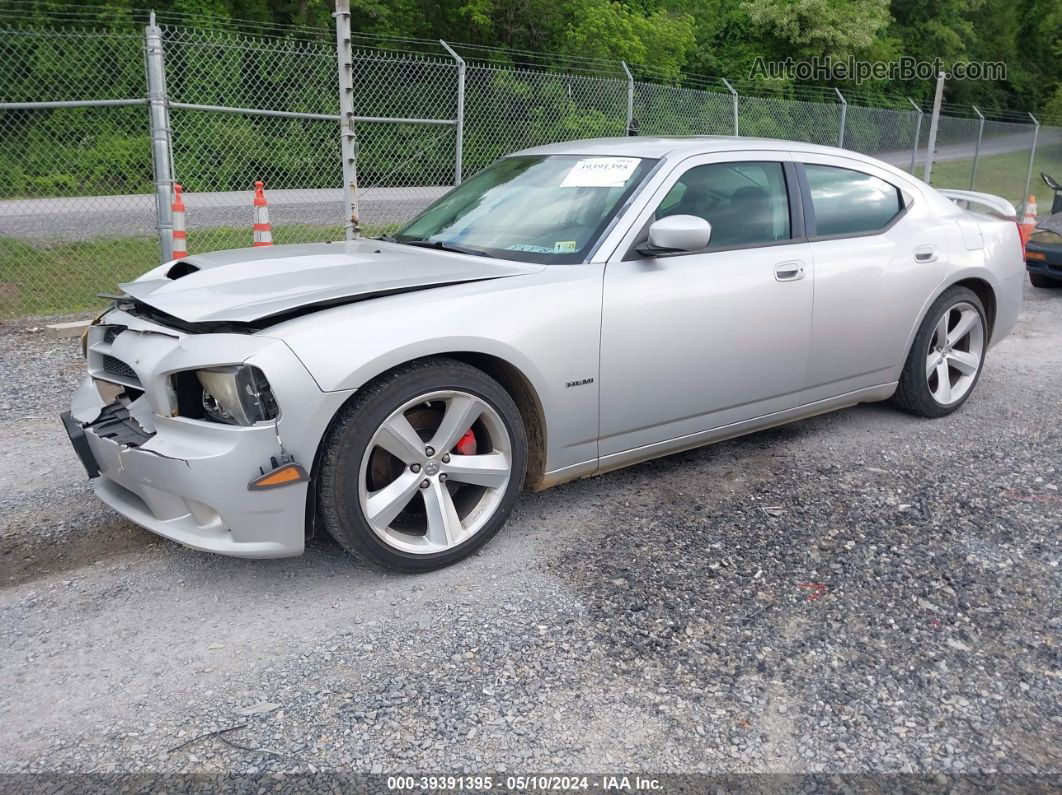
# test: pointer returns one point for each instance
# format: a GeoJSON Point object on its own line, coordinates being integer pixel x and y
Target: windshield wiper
{"type": "Point", "coordinates": [458, 249]}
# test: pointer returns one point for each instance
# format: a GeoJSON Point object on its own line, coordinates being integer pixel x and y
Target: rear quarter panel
{"type": "Point", "coordinates": [998, 263]}
{"type": "Point", "coordinates": [1003, 258]}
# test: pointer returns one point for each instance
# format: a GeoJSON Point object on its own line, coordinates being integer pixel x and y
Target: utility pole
{"type": "Point", "coordinates": [161, 146]}
{"type": "Point", "coordinates": [844, 116]}
{"type": "Point", "coordinates": [1032, 158]}
{"type": "Point", "coordinates": [934, 122]}
{"type": "Point", "coordinates": [630, 98]}
{"type": "Point", "coordinates": [459, 122]}
{"type": "Point", "coordinates": [348, 139]}
{"type": "Point", "coordinates": [977, 146]}
{"type": "Point", "coordinates": [734, 100]}
{"type": "Point", "coordinates": [917, 134]}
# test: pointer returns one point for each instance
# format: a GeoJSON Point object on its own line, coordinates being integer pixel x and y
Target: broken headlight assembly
{"type": "Point", "coordinates": [234, 395]}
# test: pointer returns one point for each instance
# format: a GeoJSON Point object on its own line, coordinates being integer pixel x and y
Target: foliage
{"type": "Point", "coordinates": [819, 28]}
{"type": "Point", "coordinates": [716, 37]}
{"type": "Point", "coordinates": [95, 151]}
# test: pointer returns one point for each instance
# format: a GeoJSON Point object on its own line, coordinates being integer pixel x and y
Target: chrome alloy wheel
{"type": "Point", "coordinates": [956, 350]}
{"type": "Point", "coordinates": [435, 472]}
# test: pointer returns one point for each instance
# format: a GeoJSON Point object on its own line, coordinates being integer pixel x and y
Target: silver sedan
{"type": "Point", "coordinates": [571, 309]}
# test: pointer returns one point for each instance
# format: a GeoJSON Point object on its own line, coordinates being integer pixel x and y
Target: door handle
{"type": "Point", "coordinates": [925, 254]}
{"type": "Point", "coordinates": [790, 271]}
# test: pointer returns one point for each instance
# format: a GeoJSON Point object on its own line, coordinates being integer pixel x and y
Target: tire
{"type": "Point", "coordinates": [450, 504]}
{"type": "Point", "coordinates": [1039, 280]}
{"type": "Point", "coordinates": [921, 390]}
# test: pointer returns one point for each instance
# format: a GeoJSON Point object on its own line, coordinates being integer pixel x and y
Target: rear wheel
{"type": "Point", "coordinates": [1039, 280]}
{"type": "Point", "coordinates": [423, 467]}
{"type": "Point", "coordinates": [945, 360]}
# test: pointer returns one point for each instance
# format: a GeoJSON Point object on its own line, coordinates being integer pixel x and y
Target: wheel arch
{"type": "Point", "coordinates": [528, 403]}
{"type": "Point", "coordinates": [512, 379]}
{"type": "Point", "coordinates": [986, 293]}
{"type": "Point", "coordinates": [982, 287]}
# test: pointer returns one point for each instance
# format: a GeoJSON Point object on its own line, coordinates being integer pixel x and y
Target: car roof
{"type": "Point", "coordinates": [678, 147]}
{"type": "Point", "coordinates": [681, 146]}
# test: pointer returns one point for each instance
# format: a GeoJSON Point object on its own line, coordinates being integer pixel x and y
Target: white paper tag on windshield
{"type": "Point", "coordinates": [600, 172]}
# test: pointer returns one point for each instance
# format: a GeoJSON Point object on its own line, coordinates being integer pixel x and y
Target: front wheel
{"type": "Point", "coordinates": [423, 467]}
{"type": "Point", "coordinates": [945, 360]}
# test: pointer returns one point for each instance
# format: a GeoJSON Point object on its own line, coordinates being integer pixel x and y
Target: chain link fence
{"type": "Point", "coordinates": [671, 110]}
{"type": "Point", "coordinates": [245, 108]}
{"type": "Point", "coordinates": [406, 156]}
{"type": "Point", "coordinates": [75, 169]}
{"type": "Point", "coordinates": [78, 180]}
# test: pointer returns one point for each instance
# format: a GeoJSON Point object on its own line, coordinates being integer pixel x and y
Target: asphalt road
{"type": "Point", "coordinates": [81, 217]}
{"type": "Point", "coordinates": [862, 591]}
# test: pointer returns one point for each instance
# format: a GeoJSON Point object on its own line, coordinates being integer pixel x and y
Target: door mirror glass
{"type": "Point", "coordinates": [676, 234]}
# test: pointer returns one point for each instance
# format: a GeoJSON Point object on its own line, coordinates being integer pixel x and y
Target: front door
{"type": "Point", "coordinates": [696, 341]}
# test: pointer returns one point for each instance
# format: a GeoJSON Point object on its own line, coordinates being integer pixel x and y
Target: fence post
{"type": "Point", "coordinates": [844, 116]}
{"type": "Point", "coordinates": [977, 146]}
{"type": "Point", "coordinates": [459, 122]}
{"type": "Point", "coordinates": [630, 98]}
{"type": "Point", "coordinates": [917, 135]}
{"type": "Point", "coordinates": [734, 99]}
{"type": "Point", "coordinates": [1032, 156]}
{"type": "Point", "coordinates": [161, 145]}
{"type": "Point", "coordinates": [348, 139]}
{"type": "Point", "coordinates": [934, 121]}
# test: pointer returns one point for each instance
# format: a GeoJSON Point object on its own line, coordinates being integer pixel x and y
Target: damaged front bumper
{"type": "Point", "coordinates": [187, 479]}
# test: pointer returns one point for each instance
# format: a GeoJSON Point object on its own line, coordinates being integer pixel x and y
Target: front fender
{"type": "Point", "coordinates": [546, 326]}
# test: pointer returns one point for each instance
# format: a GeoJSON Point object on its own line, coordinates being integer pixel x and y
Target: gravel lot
{"type": "Point", "coordinates": [864, 591]}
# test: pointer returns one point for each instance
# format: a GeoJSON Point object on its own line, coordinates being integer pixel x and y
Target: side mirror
{"type": "Point", "coordinates": [675, 234]}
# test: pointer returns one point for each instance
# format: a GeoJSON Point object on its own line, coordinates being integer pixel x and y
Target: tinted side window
{"type": "Point", "coordinates": [849, 202]}
{"type": "Point", "coordinates": [746, 203]}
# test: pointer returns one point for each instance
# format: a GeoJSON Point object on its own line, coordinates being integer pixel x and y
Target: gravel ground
{"type": "Point", "coordinates": [859, 592]}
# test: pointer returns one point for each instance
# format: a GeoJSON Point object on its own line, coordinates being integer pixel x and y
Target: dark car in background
{"type": "Point", "coordinates": [1043, 253]}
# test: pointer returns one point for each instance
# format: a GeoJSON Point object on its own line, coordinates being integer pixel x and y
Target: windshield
{"type": "Point", "coordinates": [547, 209]}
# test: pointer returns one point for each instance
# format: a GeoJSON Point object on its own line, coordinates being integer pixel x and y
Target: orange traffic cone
{"type": "Point", "coordinates": [1028, 221]}
{"type": "Point", "coordinates": [263, 231]}
{"type": "Point", "coordinates": [178, 233]}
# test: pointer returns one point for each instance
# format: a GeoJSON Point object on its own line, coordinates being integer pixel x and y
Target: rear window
{"type": "Point", "coordinates": [850, 202]}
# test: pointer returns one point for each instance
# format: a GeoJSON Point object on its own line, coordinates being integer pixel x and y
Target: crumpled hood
{"type": "Point", "coordinates": [248, 285]}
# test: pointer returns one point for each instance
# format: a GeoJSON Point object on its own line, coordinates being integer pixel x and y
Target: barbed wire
{"type": "Point", "coordinates": [33, 13]}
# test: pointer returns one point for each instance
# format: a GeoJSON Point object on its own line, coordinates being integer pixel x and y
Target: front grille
{"type": "Point", "coordinates": [110, 332]}
{"type": "Point", "coordinates": [116, 366]}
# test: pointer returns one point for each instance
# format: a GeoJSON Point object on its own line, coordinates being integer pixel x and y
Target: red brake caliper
{"type": "Point", "coordinates": [467, 444]}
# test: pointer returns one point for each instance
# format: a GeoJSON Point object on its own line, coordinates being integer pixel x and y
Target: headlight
{"type": "Point", "coordinates": [238, 395]}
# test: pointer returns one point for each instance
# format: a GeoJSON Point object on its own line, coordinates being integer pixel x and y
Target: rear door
{"type": "Point", "coordinates": [878, 255]}
{"type": "Point", "coordinates": [694, 341]}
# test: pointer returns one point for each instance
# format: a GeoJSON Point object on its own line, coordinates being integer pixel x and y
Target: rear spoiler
{"type": "Point", "coordinates": [995, 204]}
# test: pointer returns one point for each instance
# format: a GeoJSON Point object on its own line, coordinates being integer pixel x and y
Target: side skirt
{"type": "Point", "coordinates": [720, 434]}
